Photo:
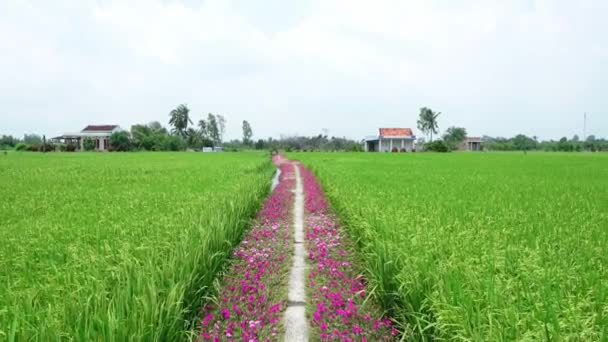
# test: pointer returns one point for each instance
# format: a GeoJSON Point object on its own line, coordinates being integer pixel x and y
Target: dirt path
{"type": "Point", "coordinates": [296, 324]}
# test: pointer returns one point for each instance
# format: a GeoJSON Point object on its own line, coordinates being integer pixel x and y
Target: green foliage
{"type": "Point", "coordinates": [32, 139]}
{"type": "Point", "coordinates": [221, 124]}
{"type": "Point", "coordinates": [356, 148]}
{"type": "Point", "coordinates": [8, 142]}
{"type": "Point", "coordinates": [436, 146]}
{"type": "Point", "coordinates": [427, 121]}
{"type": "Point", "coordinates": [454, 136]}
{"type": "Point", "coordinates": [120, 141]}
{"type": "Point", "coordinates": [88, 144]}
{"type": "Point", "coordinates": [523, 143]}
{"type": "Point", "coordinates": [148, 137]}
{"type": "Point", "coordinates": [21, 147]}
{"type": "Point", "coordinates": [260, 144]}
{"type": "Point", "coordinates": [479, 247]}
{"type": "Point", "coordinates": [213, 129]}
{"type": "Point", "coordinates": [173, 143]}
{"type": "Point", "coordinates": [179, 119]}
{"type": "Point", "coordinates": [247, 133]}
{"type": "Point", "coordinates": [128, 252]}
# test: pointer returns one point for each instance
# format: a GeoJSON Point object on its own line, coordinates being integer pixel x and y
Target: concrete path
{"type": "Point", "coordinates": [296, 324]}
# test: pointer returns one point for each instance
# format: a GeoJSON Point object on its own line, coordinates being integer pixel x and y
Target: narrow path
{"type": "Point", "coordinates": [296, 324]}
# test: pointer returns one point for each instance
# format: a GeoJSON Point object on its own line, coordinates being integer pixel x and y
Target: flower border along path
{"type": "Point", "coordinates": [253, 296]}
{"type": "Point", "coordinates": [341, 311]}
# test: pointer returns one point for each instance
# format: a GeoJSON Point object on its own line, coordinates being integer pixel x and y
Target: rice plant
{"type": "Point", "coordinates": [116, 247]}
{"type": "Point", "coordinates": [489, 246]}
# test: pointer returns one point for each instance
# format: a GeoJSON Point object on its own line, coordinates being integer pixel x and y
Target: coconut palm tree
{"type": "Point", "coordinates": [427, 121]}
{"type": "Point", "coordinates": [180, 117]}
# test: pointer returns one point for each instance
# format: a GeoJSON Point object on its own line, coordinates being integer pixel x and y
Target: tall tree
{"type": "Point", "coordinates": [193, 138]}
{"type": "Point", "coordinates": [427, 121]}
{"type": "Point", "coordinates": [247, 133]}
{"type": "Point", "coordinates": [213, 129]}
{"type": "Point", "coordinates": [454, 136]}
{"type": "Point", "coordinates": [203, 127]}
{"type": "Point", "coordinates": [179, 119]}
{"type": "Point", "coordinates": [221, 125]}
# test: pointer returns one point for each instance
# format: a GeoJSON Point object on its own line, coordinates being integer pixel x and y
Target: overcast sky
{"type": "Point", "coordinates": [298, 67]}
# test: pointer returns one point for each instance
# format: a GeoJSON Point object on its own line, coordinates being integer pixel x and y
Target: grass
{"type": "Point", "coordinates": [479, 246]}
{"type": "Point", "coordinates": [116, 247]}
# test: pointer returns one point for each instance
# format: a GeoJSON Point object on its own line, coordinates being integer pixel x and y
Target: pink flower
{"type": "Point", "coordinates": [226, 313]}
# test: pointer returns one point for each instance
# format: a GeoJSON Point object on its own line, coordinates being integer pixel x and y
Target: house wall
{"type": "Point", "coordinates": [386, 146]}
{"type": "Point", "coordinates": [470, 146]}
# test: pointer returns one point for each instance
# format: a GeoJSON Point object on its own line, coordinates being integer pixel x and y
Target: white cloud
{"type": "Point", "coordinates": [495, 67]}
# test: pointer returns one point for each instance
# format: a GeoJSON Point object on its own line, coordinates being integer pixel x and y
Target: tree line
{"type": "Point", "coordinates": [522, 142]}
{"type": "Point", "coordinates": [454, 136]}
{"type": "Point", "coordinates": [184, 134]}
{"type": "Point", "coordinates": [210, 130]}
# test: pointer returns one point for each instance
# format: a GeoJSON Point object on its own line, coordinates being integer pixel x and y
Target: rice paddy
{"type": "Point", "coordinates": [487, 246]}
{"type": "Point", "coordinates": [116, 247]}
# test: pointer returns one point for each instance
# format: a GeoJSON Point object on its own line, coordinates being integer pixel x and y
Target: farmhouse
{"type": "Point", "coordinates": [390, 139]}
{"type": "Point", "coordinates": [99, 133]}
{"type": "Point", "coordinates": [470, 144]}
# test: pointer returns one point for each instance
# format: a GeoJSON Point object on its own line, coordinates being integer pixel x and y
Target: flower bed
{"type": "Point", "coordinates": [249, 305]}
{"type": "Point", "coordinates": [337, 289]}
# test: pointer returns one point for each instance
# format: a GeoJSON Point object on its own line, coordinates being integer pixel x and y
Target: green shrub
{"type": "Point", "coordinates": [436, 146]}
{"type": "Point", "coordinates": [21, 147]}
{"type": "Point", "coordinates": [120, 141]}
{"type": "Point", "coordinates": [88, 143]}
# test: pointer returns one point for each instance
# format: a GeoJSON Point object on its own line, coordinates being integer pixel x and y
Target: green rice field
{"type": "Point", "coordinates": [117, 247]}
{"type": "Point", "coordinates": [479, 246]}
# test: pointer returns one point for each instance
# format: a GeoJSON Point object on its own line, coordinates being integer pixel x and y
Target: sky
{"type": "Point", "coordinates": [345, 68]}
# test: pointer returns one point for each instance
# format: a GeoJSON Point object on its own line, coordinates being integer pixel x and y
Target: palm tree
{"type": "Point", "coordinates": [180, 119]}
{"type": "Point", "coordinates": [427, 122]}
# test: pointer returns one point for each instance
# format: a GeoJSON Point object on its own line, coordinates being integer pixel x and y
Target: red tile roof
{"type": "Point", "coordinates": [388, 132]}
{"type": "Point", "coordinates": [99, 128]}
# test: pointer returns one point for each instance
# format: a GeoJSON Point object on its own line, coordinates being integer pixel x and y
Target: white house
{"type": "Point", "coordinates": [391, 139]}
{"type": "Point", "coordinates": [99, 133]}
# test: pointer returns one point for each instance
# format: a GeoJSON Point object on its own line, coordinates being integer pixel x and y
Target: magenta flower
{"type": "Point", "coordinates": [248, 307]}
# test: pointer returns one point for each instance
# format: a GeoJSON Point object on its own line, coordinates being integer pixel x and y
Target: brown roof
{"type": "Point", "coordinates": [99, 128]}
{"type": "Point", "coordinates": [388, 132]}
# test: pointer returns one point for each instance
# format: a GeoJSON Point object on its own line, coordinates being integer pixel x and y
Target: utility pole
{"type": "Point", "coordinates": [585, 127]}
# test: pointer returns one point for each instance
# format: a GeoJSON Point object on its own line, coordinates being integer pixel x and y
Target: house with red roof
{"type": "Point", "coordinates": [99, 133]}
{"type": "Point", "coordinates": [391, 140]}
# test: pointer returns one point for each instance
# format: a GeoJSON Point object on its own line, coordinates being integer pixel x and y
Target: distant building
{"type": "Point", "coordinates": [213, 149]}
{"type": "Point", "coordinates": [470, 144]}
{"type": "Point", "coordinates": [391, 139]}
{"type": "Point", "coordinates": [99, 133]}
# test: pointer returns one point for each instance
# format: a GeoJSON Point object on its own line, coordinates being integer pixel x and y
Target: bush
{"type": "Point", "coordinates": [88, 144]}
{"type": "Point", "coordinates": [48, 147]}
{"type": "Point", "coordinates": [173, 143]}
{"type": "Point", "coordinates": [21, 147]}
{"type": "Point", "coordinates": [70, 148]}
{"type": "Point", "coordinates": [395, 149]}
{"type": "Point", "coordinates": [436, 146]}
{"type": "Point", "coordinates": [120, 141]}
